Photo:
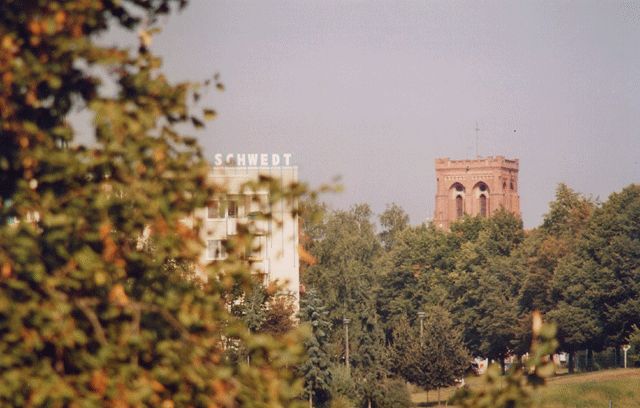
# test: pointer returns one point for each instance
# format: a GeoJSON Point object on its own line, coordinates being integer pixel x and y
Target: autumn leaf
{"type": "Point", "coordinates": [305, 256]}
{"type": "Point", "coordinates": [209, 114]}
{"type": "Point", "coordinates": [118, 296]}
{"type": "Point", "coordinates": [99, 382]}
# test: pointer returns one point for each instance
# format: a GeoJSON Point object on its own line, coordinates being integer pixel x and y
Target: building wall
{"type": "Point", "coordinates": [494, 178]}
{"type": "Point", "coordinates": [274, 253]}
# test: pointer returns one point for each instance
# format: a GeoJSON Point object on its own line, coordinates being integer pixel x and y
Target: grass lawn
{"type": "Point", "coordinates": [621, 386]}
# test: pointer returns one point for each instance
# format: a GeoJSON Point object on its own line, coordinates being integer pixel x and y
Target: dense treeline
{"type": "Point", "coordinates": [475, 287]}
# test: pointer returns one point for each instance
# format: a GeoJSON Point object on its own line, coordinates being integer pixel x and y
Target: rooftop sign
{"type": "Point", "coordinates": [252, 159]}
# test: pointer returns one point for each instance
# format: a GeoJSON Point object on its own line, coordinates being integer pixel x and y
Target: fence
{"type": "Point", "coordinates": [601, 360]}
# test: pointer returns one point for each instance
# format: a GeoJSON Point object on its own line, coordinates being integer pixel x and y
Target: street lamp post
{"type": "Point", "coordinates": [421, 316]}
{"type": "Point", "coordinates": [346, 322]}
{"type": "Point", "coordinates": [626, 348]}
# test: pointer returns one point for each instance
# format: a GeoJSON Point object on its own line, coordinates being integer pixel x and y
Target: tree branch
{"type": "Point", "coordinates": [85, 307]}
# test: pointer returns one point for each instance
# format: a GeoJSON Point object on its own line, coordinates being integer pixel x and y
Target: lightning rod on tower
{"type": "Point", "coordinates": [477, 130]}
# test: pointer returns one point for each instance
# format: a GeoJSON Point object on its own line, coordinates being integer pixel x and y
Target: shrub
{"type": "Point", "coordinates": [395, 394]}
{"type": "Point", "coordinates": [342, 385]}
{"type": "Point", "coordinates": [341, 401]}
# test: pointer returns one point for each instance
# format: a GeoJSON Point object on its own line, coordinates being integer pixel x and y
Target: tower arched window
{"type": "Point", "coordinates": [459, 206]}
{"type": "Point", "coordinates": [457, 192]}
{"type": "Point", "coordinates": [483, 205]}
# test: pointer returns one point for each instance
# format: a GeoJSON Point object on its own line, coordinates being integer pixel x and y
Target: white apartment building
{"type": "Point", "coordinates": [274, 252]}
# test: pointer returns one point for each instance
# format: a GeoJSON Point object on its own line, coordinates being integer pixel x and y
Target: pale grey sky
{"type": "Point", "coordinates": [374, 91]}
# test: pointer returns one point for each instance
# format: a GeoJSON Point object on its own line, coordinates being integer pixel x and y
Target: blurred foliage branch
{"type": "Point", "coordinates": [100, 304]}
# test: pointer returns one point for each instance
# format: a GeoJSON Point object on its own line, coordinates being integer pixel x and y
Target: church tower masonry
{"type": "Point", "coordinates": [475, 187]}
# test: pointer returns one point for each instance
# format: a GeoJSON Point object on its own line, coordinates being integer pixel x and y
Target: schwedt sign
{"type": "Point", "coordinates": [252, 159]}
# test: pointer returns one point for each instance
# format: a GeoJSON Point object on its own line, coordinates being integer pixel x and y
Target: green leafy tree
{"type": "Point", "coordinates": [418, 266]}
{"type": "Point", "coordinates": [394, 394]}
{"type": "Point", "coordinates": [502, 234]}
{"type": "Point", "coordinates": [568, 213]}
{"type": "Point", "coordinates": [393, 221]}
{"type": "Point", "coordinates": [467, 229]}
{"type": "Point", "coordinates": [315, 368]}
{"type": "Point", "coordinates": [400, 294]}
{"type": "Point", "coordinates": [611, 251]}
{"type": "Point", "coordinates": [370, 358]}
{"type": "Point", "coordinates": [497, 310]}
{"type": "Point", "coordinates": [347, 254]}
{"type": "Point", "coordinates": [484, 287]}
{"type": "Point", "coordinates": [634, 347]}
{"type": "Point", "coordinates": [578, 329]}
{"type": "Point", "coordinates": [443, 356]}
{"type": "Point", "coordinates": [345, 270]}
{"type": "Point", "coordinates": [545, 248]}
{"type": "Point", "coordinates": [311, 230]}
{"type": "Point", "coordinates": [436, 360]}
{"type": "Point", "coordinates": [596, 288]}
{"type": "Point", "coordinates": [343, 387]}
{"type": "Point", "coordinates": [249, 303]}
{"type": "Point", "coordinates": [538, 259]}
{"type": "Point", "coordinates": [575, 311]}
{"type": "Point", "coordinates": [88, 316]}
{"type": "Point", "coordinates": [515, 389]}
{"type": "Point", "coordinates": [405, 352]}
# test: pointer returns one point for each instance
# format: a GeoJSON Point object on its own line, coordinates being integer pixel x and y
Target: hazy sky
{"type": "Point", "coordinates": [374, 91]}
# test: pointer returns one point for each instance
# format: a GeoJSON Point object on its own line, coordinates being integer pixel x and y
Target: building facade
{"type": "Point", "coordinates": [273, 254]}
{"type": "Point", "coordinates": [475, 187]}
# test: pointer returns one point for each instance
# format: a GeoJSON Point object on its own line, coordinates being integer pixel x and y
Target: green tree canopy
{"type": "Point", "coordinates": [437, 359]}
{"type": "Point", "coordinates": [612, 243]}
{"type": "Point", "coordinates": [346, 269]}
{"type": "Point", "coordinates": [393, 221]}
{"type": "Point", "coordinates": [484, 286]}
{"type": "Point", "coordinates": [369, 358]}
{"type": "Point", "coordinates": [418, 264]}
{"type": "Point", "coordinates": [315, 368]}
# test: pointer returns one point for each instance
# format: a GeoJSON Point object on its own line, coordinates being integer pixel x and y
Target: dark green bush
{"type": "Point", "coordinates": [395, 394]}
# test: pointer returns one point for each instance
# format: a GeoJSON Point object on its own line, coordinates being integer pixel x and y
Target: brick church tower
{"type": "Point", "coordinates": [475, 187]}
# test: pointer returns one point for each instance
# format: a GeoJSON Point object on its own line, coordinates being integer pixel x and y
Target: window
{"type": "Point", "coordinates": [459, 206]}
{"type": "Point", "coordinates": [232, 208]}
{"type": "Point", "coordinates": [216, 249]}
{"type": "Point", "coordinates": [222, 209]}
{"type": "Point", "coordinates": [214, 209]}
{"type": "Point", "coordinates": [483, 205]}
